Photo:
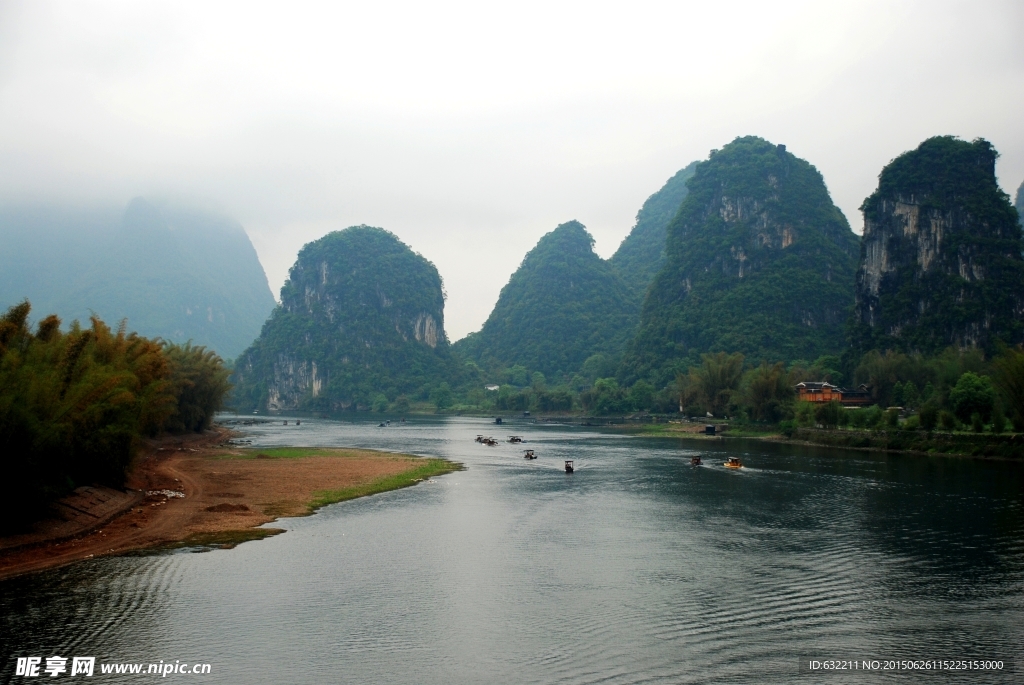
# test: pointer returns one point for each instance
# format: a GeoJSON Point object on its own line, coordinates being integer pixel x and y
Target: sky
{"type": "Point", "coordinates": [472, 129]}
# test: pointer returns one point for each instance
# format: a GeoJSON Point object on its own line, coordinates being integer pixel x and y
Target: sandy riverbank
{"type": "Point", "coordinates": [228, 492]}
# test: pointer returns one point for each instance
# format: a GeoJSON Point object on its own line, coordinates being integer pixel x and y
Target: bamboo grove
{"type": "Point", "coordinates": [75, 406]}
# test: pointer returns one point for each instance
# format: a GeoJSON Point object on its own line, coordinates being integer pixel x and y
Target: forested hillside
{"type": "Point", "coordinates": [941, 255]}
{"type": "Point", "coordinates": [758, 261]}
{"type": "Point", "coordinates": [561, 306]}
{"type": "Point", "coordinates": [642, 252]}
{"type": "Point", "coordinates": [361, 323]}
{"type": "Point", "coordinates": [174, 272]}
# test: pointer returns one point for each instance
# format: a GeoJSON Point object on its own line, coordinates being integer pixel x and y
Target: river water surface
{"type": "Point", "coordinates": [637, 568]}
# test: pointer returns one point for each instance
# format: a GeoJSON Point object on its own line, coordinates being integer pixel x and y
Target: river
{"type": "Point", "coordinates": [637, 568]}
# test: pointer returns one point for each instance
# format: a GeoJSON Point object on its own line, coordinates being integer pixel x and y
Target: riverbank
{"type": "Point", "coordinates": [956, 444]}
{"type": "Point", "coordinates": [199, 491]}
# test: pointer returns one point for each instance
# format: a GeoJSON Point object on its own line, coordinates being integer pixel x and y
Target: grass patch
{"type": "Point", "coordinates": [226, 539]}
{"type": "Point", "coordinates": [428, 469]}
{"type": "Point", "coordinates": [204, 542]}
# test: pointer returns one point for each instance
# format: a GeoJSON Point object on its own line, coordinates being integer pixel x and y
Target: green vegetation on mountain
{"type": "Point", "coordinates": [74, 406]}
{"type": "Point", "coordinates": [758, 261]}
{"type": "Point", "coordinates": [563, 305]}
{"type": "Point", "coordinates": [361, 322]}
{"type": "Point", "coordinates": [642, 252]}
{"type": "Point", "coordinates": [941, 255]}
{"type": "Point", "coordinates": [175, 273]}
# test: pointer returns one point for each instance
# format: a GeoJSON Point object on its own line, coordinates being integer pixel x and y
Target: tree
{"type": "Point", "coordinates": [713, 383]}
{"type": "Point", "coordinates": [441, 396]}
{"type": "Point", "coordinates": [767, 390]}
{"type": "Point", "coordinates": [641, 396]}
{"type": "Point", "coordinates": [897, 395]}
{"type": "Point", "coordinates": [972, 394]}
{"type": "Point", "coordinates": [1008, 374]}
{"type": "Point", "coordinates": [200, 382]}
{"type": "Point", "coordinates": [911, 398]}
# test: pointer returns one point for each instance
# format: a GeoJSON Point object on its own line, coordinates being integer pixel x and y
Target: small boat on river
{"type": "Point", "coordinates": [528, 454]}
{"type": "Point", "coordinates": [568, 466]}
{"type": "Point", "coordinates": [696, 461]}
{"type": "Point", "coordinates": [515, 439]}
{"type": "Point", "coordinates": [490, 442]}
{"type": "Point", "coordinates": [733, 463]}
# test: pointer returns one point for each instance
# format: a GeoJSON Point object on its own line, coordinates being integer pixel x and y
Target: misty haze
{"type": "Point", "coordinates": [544, 343]}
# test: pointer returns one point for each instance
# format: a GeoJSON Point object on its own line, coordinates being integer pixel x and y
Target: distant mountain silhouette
{"type": "Point", "coordinates": [176, 273]}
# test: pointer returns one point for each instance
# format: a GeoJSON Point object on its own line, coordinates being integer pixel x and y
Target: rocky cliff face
{"type": "Point", "coordinates": [941, 254]}
{"type": "Point", "coordinates": [361, 314]}
{"type": "Point", "coordinates": [758, 261]}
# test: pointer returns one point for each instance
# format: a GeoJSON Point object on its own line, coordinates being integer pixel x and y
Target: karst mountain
{"type": "Point", "coordinates": [361, 314]}
{"type": "Point", "coordinates": [941, 254]}
{"type": "Point", "coordinates": [758, 260]}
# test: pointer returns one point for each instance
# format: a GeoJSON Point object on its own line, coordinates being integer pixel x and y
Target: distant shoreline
{"type": "Point", "coordinates": [1004, 447]}
{"type": "Point", "coordinates": [229, 492]}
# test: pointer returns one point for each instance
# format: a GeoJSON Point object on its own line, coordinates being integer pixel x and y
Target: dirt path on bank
{"type": "Point", "coordinates": [228, 491]}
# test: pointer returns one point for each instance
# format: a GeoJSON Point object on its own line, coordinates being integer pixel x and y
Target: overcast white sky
{"type": "Point", "coordinates": [471, 129]}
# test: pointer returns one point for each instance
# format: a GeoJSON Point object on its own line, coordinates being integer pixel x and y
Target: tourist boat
{"type": "Point", "coordinates": [490, 442]}
{"type": "Point", "coordinates": [696, 461]}
{"type": "Point", "coordinates": [515, 439]}
{"type": "Point", "coordinates": [529, 455]}
{"type": "Point", "coordinates": [479, 438]}
{"type": "Point", "coordinates": [568, 466]}
{"type": "Point", "coordinates": [733, 463]}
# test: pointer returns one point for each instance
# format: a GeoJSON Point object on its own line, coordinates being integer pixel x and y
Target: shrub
{"type": "Point", "coordinates": [804, 413]}
{"type": "Point", "coordinates": [912, 424]}
{"type": "Point", "coordinates": [872, 416]}
{"type": "Point", "coordinates": [829, 414]}
{"type": "Point", "coordinates": [929, 416]}
{"type": "Point", "coordinates": [788, 427]}
{"type": "Point", "coordinates": [892, 417]}
{"type": "Point", "coordinates": [947, 420]}
{"type": "Point", "coordinates": [977, 425]}
{"type": "Point", "coordinates": [858, 417]}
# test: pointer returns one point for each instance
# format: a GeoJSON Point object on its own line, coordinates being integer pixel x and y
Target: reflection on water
{"type": "Point", "coordinates": [636, 568]}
